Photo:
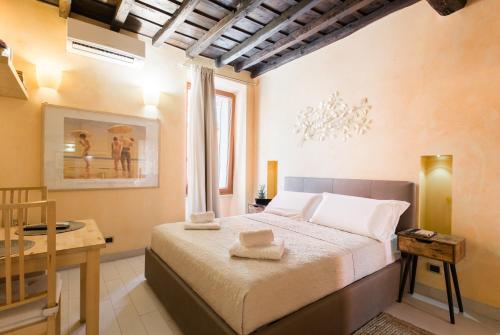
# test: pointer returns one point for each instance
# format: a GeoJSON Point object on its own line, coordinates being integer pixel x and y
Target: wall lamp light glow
{"type": "Point", "coordinates": [48, 76]}
{"type": "Point", "coordinates": [151, 96]}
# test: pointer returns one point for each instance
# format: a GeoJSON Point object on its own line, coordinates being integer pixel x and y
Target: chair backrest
{"type": "Point", "coordinates": [12, 195]}
{"type": "Point", "coordinates": [12, 261]}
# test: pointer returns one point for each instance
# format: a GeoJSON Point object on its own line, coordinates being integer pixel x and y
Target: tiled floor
{"type": "Point", "coordinates": [128, 306]}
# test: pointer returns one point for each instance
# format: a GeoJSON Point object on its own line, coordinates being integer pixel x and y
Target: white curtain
{"type": "Point", "coordinates": [202, 142]}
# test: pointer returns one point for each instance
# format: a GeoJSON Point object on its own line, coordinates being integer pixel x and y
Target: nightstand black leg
{"type": "Point", "coordinates": [448, 292]}
{"type": "Point", "coordinates": [457, 288]}
{"type": "Point", "coordinates": [413, 273]}
{"type": "Point", "coordinates": [402, 284]}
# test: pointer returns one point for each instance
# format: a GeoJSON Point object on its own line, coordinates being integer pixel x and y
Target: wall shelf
{"type": "Point", "coordinates": [10, 83]}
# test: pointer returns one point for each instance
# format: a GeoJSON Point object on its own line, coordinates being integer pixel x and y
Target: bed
{"type": "Point", "coordinates": [329, 281]}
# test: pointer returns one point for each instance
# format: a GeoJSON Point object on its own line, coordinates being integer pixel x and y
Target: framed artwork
{"type": "Point", "coordinates": [94, 150]}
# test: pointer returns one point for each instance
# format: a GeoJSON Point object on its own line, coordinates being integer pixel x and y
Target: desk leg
{"type": "Point", "coordinates": [457, 288]}
{"type": "Point", "coordinates": [92, 292]}
{"type": "Point", "coordinates": [449, 294]}
{"type": "Point", "coordinates": [83, 291]}
{"type": "Point", "coordinates": [413, 273]}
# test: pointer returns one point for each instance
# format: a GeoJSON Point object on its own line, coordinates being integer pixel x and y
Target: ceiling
{"type": "Point", "coordinates": [252, 35]}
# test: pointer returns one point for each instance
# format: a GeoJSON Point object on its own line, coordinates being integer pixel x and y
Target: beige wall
{"type": "Point", "coordinates": [37, 35]}
{"type": "Point", "coordinates": [434, 85]}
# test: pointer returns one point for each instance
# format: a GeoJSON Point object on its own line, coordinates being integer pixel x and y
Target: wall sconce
{"type": "Point", "coordinates": [272, 179]}
{"type": "Point", "coordinates": [435, 203]}
{"type": "Point", "coordinates": [151, 96]}
{"type": "Point", "coordinates": [48, 76]}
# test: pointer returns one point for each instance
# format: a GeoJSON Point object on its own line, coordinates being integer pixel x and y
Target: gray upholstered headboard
{"type": "Point", "coordinates": [375, 189]}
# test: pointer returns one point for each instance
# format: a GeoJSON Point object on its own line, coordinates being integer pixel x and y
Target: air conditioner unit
{"type": "Point", "coordinates": [96, 42]}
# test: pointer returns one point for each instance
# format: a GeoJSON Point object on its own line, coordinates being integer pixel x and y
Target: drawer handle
{"type": "Point", "coordinates": [423, 240]}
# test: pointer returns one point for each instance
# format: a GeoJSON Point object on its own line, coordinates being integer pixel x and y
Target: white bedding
{"type": "Point", "coordinates": [249, 293]}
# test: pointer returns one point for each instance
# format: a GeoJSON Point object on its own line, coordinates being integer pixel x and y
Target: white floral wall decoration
{"type": "Point", "coordinates": [333, 119]}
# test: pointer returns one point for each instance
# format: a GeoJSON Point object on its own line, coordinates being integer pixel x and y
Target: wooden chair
{"type": "Point", "coordinates": [29, 303]}
{"type": "Point", "coordinates": [12, 195]}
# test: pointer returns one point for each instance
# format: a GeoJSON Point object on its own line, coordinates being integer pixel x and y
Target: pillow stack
{"type": "Point", "coordinates": [363, 216]}
{"type": "Point", "coordinates": [373, 218]}
{"type": "Point", "coordinates": [295, 205]}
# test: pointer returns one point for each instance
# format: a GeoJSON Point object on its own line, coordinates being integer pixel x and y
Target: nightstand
{"type": "Point", "coordinates": [446, 248]}
{"type": "Point", "coordinates": [255, 208]}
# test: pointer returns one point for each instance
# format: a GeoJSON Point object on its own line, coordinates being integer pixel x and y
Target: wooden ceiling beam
{"type": "Point", "coordinates": [447, 7]}
{"type": "Point", "coordinates": [270, 29]}
{"type": "Point", "coordinates": [242, 10]}
{"type": "Point", "coordinates": [333, 36]}
{"type": "Point", "coordinates": [337, 12]}
{"type": "Point", "coordinates": [64, 8]}
{"type": "Point", "coordinates": [122, 10]}
{"type": "Point", "coordinates": [180, 15]}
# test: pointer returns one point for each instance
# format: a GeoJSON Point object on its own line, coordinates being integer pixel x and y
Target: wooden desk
{"type": "Point", "coordinates": [81, 247]}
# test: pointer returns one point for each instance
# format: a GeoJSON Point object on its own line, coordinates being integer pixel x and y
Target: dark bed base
{"type": "Point", "coordinates": [341, 312]}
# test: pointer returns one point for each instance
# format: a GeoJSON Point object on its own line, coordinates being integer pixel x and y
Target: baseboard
{"type": "Point", "coordinates": [120, 255]}
{"type": "Point", "coordinates": [469, 305]}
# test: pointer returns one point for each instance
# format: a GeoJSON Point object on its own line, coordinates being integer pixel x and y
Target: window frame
{"type": "Point", "coordinates": [230, 168]}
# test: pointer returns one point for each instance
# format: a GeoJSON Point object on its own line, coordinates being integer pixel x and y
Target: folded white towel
{"type": "Point", "coordinates": [273, 251]}
{"type": "Point", "coordinates": [201, 226]}
{"type": "Point", "coordinates": [253, 238]}
{"type": "Point", "coordinates": [204, 217]}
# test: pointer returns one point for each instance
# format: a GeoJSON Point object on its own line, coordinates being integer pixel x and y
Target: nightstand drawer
{"type": "Point", "coordinates": [430, 249]}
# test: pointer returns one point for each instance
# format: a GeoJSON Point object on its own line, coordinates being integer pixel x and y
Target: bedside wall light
{"type": "Point", "coordinates": [435, 203]}
{"type": "Point", "coordinates": [48, 75]}
{"type": "Point", "coordinates": [272, 179]}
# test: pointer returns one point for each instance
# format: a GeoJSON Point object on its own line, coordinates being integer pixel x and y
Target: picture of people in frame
{"type": "Point", "coordinates": [103, 150]}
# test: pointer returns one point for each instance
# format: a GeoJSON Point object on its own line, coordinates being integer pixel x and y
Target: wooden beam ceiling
{"type": "Point", "coordinates": [253, 35]}
{"type": "Point", "coordinates": [178, 18]}
{"type": "Point", "coordinates": [270, 29]}
{"type": "Point", "coordinates": [447, 7]}
{"type": "Point", "coordinates": [338, 12]}
{"type": "Point", "coordinates": [333, 36]}
{"type": "Point", "coordinates": [64, 8]}
{"type": "Point", "coordinates": [122, 10]}
{"type": "Point", "coordinates": [243, 9]}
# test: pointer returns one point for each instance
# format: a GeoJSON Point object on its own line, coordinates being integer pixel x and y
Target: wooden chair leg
{"type": "Point", "coordinates": [413, 273]}
{"type": "Point", "coordinates": [457, 288]}
{"type": "Point", "coordinates": [58, 320]}
{"type": "Point", "coordinates": [449, 294]}
{"type": "Point", "coordinates": [51, 325]}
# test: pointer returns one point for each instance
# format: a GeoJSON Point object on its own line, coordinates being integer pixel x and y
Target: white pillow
{"type": "Point", "coordinates": [288, 213]}
{"type": "Point", "coordinates": [369, 217]}
{"type": "Point", "coordinates": [299, 202]}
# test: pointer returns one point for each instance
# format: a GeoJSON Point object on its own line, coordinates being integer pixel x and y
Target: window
{"type": "Point", "coordinates": [225, 106]}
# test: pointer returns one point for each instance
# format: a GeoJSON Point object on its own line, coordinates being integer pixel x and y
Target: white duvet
{"type": "Point", "coordinates": [247, 293]}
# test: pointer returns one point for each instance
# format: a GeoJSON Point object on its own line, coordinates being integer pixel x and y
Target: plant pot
{"type": "Point", "coordinates": [263, 202]}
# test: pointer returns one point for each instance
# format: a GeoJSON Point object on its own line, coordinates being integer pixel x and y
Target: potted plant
{"type": "Point", "coordinates": [261, 196]}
